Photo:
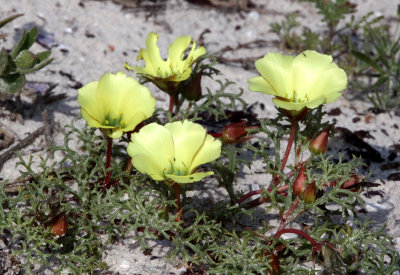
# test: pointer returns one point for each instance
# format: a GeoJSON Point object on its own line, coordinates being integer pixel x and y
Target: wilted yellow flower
{"type": "Point", "coordinates": [307, 80]}
{"type": "Point", "coordinates": [174, 151]}
{"type": "Point", "coordinates": [176, 68]}
{"type": "Point", "coordinates": [115, 104]}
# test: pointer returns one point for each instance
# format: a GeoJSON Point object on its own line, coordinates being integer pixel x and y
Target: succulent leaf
{"type": "Point", "coordinates": [12, 83]}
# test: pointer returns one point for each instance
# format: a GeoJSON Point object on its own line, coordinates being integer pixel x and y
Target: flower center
{"type": "Point", "coordinates": [114, 120]}
{"type": "Point", "coordinates": [177, 169]}
{"type": "Point", "coordinates": [297, 99]}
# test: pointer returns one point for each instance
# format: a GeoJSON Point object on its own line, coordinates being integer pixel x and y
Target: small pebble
{"type": "Point", "coordinates": [125, 265]}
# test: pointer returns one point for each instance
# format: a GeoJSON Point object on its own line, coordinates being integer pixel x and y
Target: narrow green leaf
{"type": "Point", "coordinates": [367, 60]}
{"type": "Point", "coordinates": [9, 19]}
{"type": "Point", "coordinates": [398, 11]}
{"type": "Point", "coordinates": [3, 60]}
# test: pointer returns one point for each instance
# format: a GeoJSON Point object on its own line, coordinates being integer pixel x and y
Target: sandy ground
{"type": "Point", "coordinates": [94, 37]}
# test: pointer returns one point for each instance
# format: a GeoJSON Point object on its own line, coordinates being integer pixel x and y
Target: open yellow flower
{"type": "Point", "coordinates": [175, 69]}
{"type": "Point", "coordinates": [305, 81]}
{"type": "Point", "coordinates": [172, 152]}
{"type": "Point", "coordinates": [115, 104]}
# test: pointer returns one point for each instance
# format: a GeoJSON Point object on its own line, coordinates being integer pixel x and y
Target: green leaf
{"type": "Point", "coordinates": [25, 42]}
{"type": "Point", "coordinates": [36, 68]}
{"type": "Point", "coordinates": [367, 60]}
{"type": "Point", "coordinates": [3, 60]}
{"type": "Point", "coordinates": [17, 48]}
{"type": "Point", "coordinates": [398, 11]}
{"type": "Point", "coordinates": [12, 83]}
{"type": "Point", "coordinates": [42, 56]}
{"type": "Point", "coordinates": [9, 19]}
{"type": "Point", "coordinates": [30, 38]}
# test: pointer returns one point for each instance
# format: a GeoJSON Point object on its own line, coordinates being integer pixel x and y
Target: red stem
{"type": "Point", "coordinates": [171, 103]}
{"type": "Point", "coordinates": [108, 163]}
{"type": "Point", "coordinates": [259, 201]}
{"type": "Point", "coordinates": [316, 245]}
{"type": "Point", "coordinates": [289, 145]}
{"type": "Point", "coordinates": [288, 213]}
{"type": "Point", "coordinates": [277, 178]}
{"type": "Point", "coordinates": [248, 195]}
{"type": "Point", "coordinates": [177, 189]}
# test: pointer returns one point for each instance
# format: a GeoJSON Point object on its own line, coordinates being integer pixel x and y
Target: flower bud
{"type": "Point", "coordinates": [193, 90]}
{"type": "Point", "coordinates": [309, 193]}
{"type": "Point", "coordinates": [235, 132]}
{"type": "Point", "coordinates": [298, 185]}
{"type": "Point", "coordinates": [60, 225]}
{"type": "Point", "coordinates": [319, 145]}
{"type": "Point", "coordinates": [25, 60]}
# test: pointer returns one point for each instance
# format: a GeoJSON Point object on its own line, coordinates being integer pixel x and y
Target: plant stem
{"type": "Point", "coordinates": [289, 145]}
{"type": "Point", "coordinates": [277, 178]}
{"type": "Point", "coordinates": [288, 213]}
{"type": "Point", "coordinates": [261, 200]}
{"type": "Point", "coordinates": [177, 189]}
{"type": "Point", "coordinates": [316, 245]}
{"type": "Point", "coordinates": [171, 103]}
{"type": "Point", "coordinates": [108, 163]}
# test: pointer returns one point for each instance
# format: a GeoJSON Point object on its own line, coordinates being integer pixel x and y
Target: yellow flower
{"type": "Point", "coordinates": [176, 68]}
{"type": "Point", "coordinates": [305, 81]}
{"type": "Point", "coordinates": [115, 104]}
{"type": "Point", "coordinates": [172, 152]}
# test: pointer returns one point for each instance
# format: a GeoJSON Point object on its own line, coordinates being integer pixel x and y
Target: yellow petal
{"type": "Point", "coordinates": [176, 50]}
{"type": "Point", "coordinates": [115, 132]}
{"type": "Point", "coordinates": [193, 55]}
{"type": "Point", "coordinates": [288, 105]}
{"type": "Point", "coordinates": [331, 82]}
{"type": "Point", "coordinates": [123, 95]}
{"type": "Point", "coordinates": [315, 75]}
{"type": "Point", "coordinates": [332, 97]}
{"type": "Point", "coordinates": [152, 150]}
{"type": "Point", "coordinates": [135, 103]}
{"type": "Point", "coordinates": [276, 69]}
{"type": "Point", "coordinates": [209, 151]}
{"type": "Point", "coordinates": [87, 99]}
{"type": "Point", "coordinates": [155, 65]}
{"type": "Point", "coordinates": [259, 84]}
{"type": "Point", "coordinates": [190, 178]}
{"type": "Point", "coordinates": [92, 122]}
{"type": "Point", "coordinates": [188, 137]}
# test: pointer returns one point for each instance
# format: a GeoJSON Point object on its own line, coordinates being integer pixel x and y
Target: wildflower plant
{"type": "Point", "coordinates": [65, 211]}
{"type": "Point", "coordinates": [168, 74]}
{"type": "Point", "coordinates": [115, 104]}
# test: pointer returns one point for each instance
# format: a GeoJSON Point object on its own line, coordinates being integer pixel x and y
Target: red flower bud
{"type": "Point", "coordinates": [298, 185]}
{"type": "Point", "coordinates": [234, 132]}
{"type": "Point", "coordinates": [60, 225]}
{"type": "Point", "coordinates": [320, 144]}
{"type": "Point", "coordinates": [309, 193]}
{"type": "Point", "coordinates": [193, 90]}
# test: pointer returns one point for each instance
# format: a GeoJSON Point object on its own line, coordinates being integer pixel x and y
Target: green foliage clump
{"type": "Point", "coordinates": [14, 65]}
